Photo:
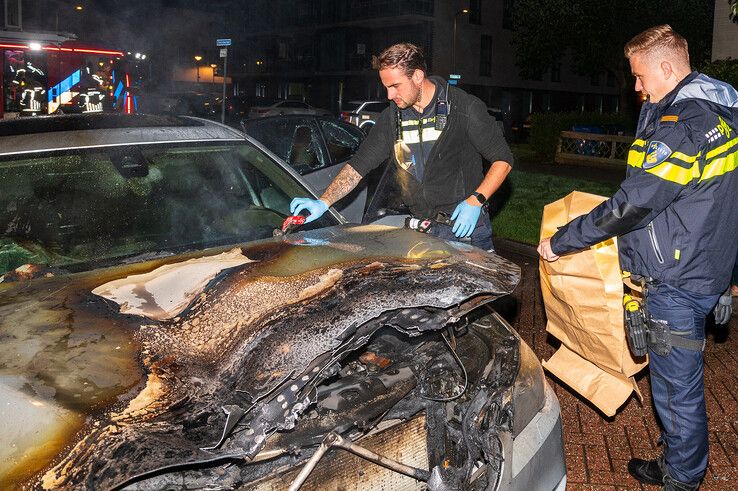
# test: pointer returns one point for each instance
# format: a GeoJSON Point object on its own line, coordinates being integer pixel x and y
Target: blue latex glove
{"type": "Point", "coordinates": [315, 207]}
{"type": "Point", "coordinates": [465, 218]}
{"type": "Point", "coordinates": [724, 308]}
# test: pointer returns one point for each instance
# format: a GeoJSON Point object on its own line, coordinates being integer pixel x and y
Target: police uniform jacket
{"type": "Point", "coordinates": [677, 210]}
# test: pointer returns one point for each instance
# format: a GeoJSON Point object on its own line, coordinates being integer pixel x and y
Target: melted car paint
{"type": "Point", "coordinates": [261, 337]}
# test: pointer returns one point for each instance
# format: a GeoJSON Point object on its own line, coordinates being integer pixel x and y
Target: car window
{"type": "Point", "coordinates": [294, 104]}
{"type": "Point", "coordinates": [376, 107]}
{"type": "Point", "coordinates": [342, 140]}
{"type": "Point", "coordinates": [351, 106]}
{"type": "Point", "coordinates": [83, 207]}
{"type": "Point", "coordinates": [296, 140]}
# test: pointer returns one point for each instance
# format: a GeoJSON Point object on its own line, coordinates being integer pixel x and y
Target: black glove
{"type": "Point", "coordinates": [724, 308]}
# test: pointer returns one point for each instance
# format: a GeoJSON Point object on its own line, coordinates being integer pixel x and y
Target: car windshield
{"type": "Point", "coordinates": [77, 209]}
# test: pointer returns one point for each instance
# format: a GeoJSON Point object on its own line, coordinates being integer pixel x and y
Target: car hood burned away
{"type": "Point", "coordinates": [160, 373]}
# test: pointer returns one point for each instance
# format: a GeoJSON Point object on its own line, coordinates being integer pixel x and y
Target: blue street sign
{"type": "Point", "coordinates": [453, 82]}
{"type": "Point", "coordinates": [222, 42]}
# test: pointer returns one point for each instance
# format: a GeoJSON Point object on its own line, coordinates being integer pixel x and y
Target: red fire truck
{"type": "Point", "coordinates": [67, 77]}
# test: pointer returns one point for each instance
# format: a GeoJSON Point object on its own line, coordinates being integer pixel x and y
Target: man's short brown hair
{"type": "Point", "coordinates": [661, 39]}
{"type": "Point", "coordinates": [404, 56]}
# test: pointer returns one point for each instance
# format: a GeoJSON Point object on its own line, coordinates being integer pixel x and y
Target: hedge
{"type": "Point", "coordinates": [546, 127]}
{"type": "Point", "coordinates": [725, 70]}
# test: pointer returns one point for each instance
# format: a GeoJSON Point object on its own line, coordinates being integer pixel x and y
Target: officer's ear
{"type": "Point", "coordinates": [666, 69]}
{"type": "Point", "coordinates": [418, 76]}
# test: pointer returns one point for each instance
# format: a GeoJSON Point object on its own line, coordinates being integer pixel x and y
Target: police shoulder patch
{"type": "Point", "coordinates": [656, 153]}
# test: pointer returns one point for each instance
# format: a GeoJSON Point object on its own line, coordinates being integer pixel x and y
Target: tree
{"type": "Point", "coordinates": [591, 34]}
{"type": "Point", "coordinates": [734, 10]}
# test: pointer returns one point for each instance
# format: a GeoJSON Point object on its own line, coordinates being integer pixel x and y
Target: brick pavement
{"type": "Point", "coordinates": [598, 448]}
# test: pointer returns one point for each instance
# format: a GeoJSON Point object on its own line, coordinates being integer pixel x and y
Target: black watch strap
{"type": "Point", "coordinates": [480, 197]}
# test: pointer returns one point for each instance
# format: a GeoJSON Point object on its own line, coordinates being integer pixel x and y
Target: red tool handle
{"type": "Point", "coordinates": [291, 222]}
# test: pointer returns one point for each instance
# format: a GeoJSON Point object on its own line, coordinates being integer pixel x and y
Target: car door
{"type": "Point", "coordinates": [341, 140]}
{"type": "Point", "coordinates": [294, 139]}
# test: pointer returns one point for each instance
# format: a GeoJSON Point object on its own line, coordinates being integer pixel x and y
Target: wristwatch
{"type": "Point", "coordinates": [480, 197]}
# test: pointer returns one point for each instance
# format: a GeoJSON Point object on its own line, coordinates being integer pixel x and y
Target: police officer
{"type": "Point", "coordinates": [437, 136]}
{"type": "Point", "coordinates": [675, 215]}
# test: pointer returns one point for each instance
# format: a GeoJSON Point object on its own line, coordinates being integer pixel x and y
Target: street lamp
{"type": "Point", "coordinates": [198, 58]}
{"type": "Point", "coordinates": [453, 49]}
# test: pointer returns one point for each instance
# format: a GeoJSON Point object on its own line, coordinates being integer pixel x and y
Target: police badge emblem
{"type": "Point", "coordinates": [656, 153]}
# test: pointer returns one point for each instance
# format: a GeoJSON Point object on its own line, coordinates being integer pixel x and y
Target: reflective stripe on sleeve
{"type": "Point", "coordinates": [676, 173]}
{"type": "Point", "coordinates": [720, 166]}
{"type": "Point", "coordinates": [722, 148]}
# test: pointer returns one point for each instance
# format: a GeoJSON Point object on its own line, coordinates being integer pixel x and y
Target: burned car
{"type": "Point", "coordinates": [160, 331]}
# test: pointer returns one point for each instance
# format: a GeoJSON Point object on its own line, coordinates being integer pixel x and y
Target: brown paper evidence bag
{"type": "Point", "coordinates": [583, 296]}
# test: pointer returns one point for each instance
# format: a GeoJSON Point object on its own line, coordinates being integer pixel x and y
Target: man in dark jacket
{"type": "Point", "coordinates": [676, 218]}
{"type": "Point", "coordinates": [437, 136]}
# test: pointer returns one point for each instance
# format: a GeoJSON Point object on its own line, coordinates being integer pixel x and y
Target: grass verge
{"type": "Point", "coordinates": [517, 208]}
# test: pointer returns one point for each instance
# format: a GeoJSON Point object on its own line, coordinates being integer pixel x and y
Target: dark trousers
{"type": "Point", "coordinates": [481, 236]}
{"type": "Point", "coordinates": [735, 273]}
{"type": "Point", "coordinates": [677, 381]}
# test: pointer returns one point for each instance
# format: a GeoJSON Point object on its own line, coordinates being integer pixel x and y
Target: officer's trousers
{"type": "Point", "coordinates": [677, 381]}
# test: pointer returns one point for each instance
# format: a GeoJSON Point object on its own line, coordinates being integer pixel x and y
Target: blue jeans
{"type": "Point", "coordinates": [677, 381]}
{"type": "Point", "coordinates": [481, 236]}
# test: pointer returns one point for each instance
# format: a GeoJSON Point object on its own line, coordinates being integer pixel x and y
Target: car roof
{"type": "Point", "coordinates": [52, 133]}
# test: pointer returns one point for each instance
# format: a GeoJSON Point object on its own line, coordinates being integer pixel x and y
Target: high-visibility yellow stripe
{"type": "Point", "coordinates": [675, 173]}
{"type": "Point", "coordinates": [684, 157]}
{"type": "Point", "coordinates": [639, 143]}
{"type": "Point", "coordinates": [635, 158]}
{"type": "Point", "coordinates": [720, 166]}
{"type": "Point", "coordinates": [722, 148]}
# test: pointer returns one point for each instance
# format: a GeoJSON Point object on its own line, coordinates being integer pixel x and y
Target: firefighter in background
{"type": "Point", "coordinates": [675, 215]}
{"type": "Point", "coordinates": [32, 100]}
{"type": "Point", "coordinates": [91, 90]}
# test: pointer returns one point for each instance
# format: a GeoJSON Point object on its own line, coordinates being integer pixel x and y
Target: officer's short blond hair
{"type": "Point", "coordinates": [660, 40]}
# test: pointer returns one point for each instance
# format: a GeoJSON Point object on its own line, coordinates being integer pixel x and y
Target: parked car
{"type": "Point", "coordinates": [363, 113]}
{"type": "Point", "coordinates": [317, 147]}
{"type": "Point", "coordinates": [271, 107]}
{"type": "Point", "coordinates": [161, 332]}
{"type": "Point", "coordinates": [189, 104]}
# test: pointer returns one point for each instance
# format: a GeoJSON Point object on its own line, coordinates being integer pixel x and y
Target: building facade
{"type": "Point", "coordinates": [321, 51]}
{"type": "Point", "coordinates": [724, 33]}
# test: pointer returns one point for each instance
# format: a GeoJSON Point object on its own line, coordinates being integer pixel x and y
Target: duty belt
{"type": "Point", "coordinates": [646, 332]}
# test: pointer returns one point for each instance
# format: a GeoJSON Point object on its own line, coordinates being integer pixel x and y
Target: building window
{"type": "Point", "coordinates": [595, 79]}
{"type": "Point", "coordinates": [507, 13]}
{"type": "Point", "coordinates": [556, 72]}
{"type": "Point", "coordinates": [610, 79]}
{"type": "Point", "coordinates": [13, 12]}
{"type": "Point", "coordinates": [282, 50]}
{"type": "Point", "coordinates": [475, 11]}
{"type": "Point", "coordinates": [485, 56]}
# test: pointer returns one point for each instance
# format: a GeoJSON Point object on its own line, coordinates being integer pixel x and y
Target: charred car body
{"type": "Point", "coordinates": [176, 343]}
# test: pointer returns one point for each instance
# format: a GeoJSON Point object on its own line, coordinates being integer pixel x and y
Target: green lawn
{"type": "Point", "coordinates": [518, 207]}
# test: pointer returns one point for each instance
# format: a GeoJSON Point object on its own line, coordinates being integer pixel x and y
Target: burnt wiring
{"type": "Point", "coordinates": [461, 365]}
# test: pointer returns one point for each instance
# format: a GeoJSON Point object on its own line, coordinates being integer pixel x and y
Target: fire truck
{"type": "Point", "coordinates": [40, 78]}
